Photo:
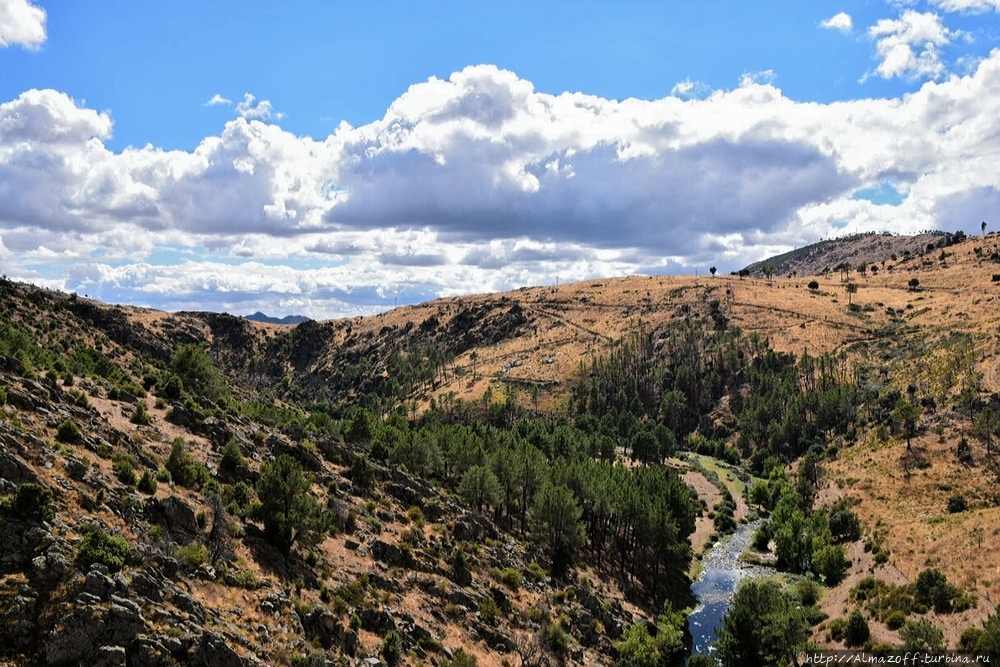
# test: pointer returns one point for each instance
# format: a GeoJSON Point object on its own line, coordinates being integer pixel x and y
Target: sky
{"type": "Point", "coordinates": [334, 159]}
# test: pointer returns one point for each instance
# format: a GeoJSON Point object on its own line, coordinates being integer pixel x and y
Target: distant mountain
{"type": "Point", "coordinates": [267, 319]}
{"type": "Point", "coordinates": [870, 248]}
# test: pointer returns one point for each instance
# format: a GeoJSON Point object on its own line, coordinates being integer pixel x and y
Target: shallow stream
{"type": "Point", "coordinates": [722, 571]}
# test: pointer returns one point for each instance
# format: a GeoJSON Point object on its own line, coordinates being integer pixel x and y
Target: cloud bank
{"type": "Point", "coordinates": [479, 182]}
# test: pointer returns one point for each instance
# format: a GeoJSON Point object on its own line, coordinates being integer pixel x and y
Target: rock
{"type": "Point", "coordinates": [110, 656]}
{"type": "Point", "coordinates": [99, 584]}
{"type": "Point", "coordinates": [18, 619]}
{"type": "Point", "coordinates": [215, 651]}
{"type": "Point", "coordinates": [175, 515]}
{"type": "Point", "coordinates": [147, 587]}
{"type": "Point", "coordinates": [494, 638]}
{"type": "Point", "coordinates": [390, 554]}
{"type": "Point", "coordinates": [188, 604]}
{"type": "Point", "coordinates": [474, 528]}
{"type": "Point", "coordinates": [461, 575]}
{"type": "Point", "coordinates": [145, 651]}
{"type": "Point", "coordinates": [73, 639]}
{"type": "Point", "coordinates": [378, 621]}
{"type": "Point", "coordinates": [14, 470]}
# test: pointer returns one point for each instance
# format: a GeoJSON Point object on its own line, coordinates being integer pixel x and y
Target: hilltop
{"type": "Point", "coordinates": [387, 415]}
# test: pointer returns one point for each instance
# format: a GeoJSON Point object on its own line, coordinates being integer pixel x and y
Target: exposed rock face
{"type": "Point", "coordinates": [175, 515]}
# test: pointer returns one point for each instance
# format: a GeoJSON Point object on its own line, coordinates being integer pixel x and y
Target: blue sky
{"type": "Point", "coordinates": [334, 158]}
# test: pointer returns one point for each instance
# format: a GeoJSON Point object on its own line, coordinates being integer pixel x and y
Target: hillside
{"type": "Point", "coordinates": [411, 561]}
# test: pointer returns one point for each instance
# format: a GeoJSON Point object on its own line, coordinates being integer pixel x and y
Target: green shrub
{"type": "Point", "coordinates": [838, 629]}
{"type": "Point", "coordinates": [248, 580]}
{"type": "Point", "coordinates": [762, 536]}
{"type": "Point", "coordinates": [31, 502]}
{"type": "Point", "coordinates": [922, 635]}
{"type": "Point", "coordinates": [392, 647]}
{"type": "Point", "coordinates": [192, 555]}
{"type": "Point", "coordinates": [3, 396]}
{"type": "Point", "coordinates": [461, 659]}
{"type": "Point", "coordinates": [830, 562]}
{"type": "Point", "coordinates": [511, 578]}
{"type": "Point", "coordinates": [184, 470]}
{"type": "Point", "coordinates": [141, 414]}
{"type": "Point", "coordinates": [98, 546]}
{"type": "Point", "coordinates": [125, 470]}
{"type": "Point", "coordinates": [232, 456]}
{"type": "Point", "coordinates": [808, 592]}
{"type": "Point", "coordinates": [68, 432]}
{"type": "Point", "coordinates": [857, 632]}
{"type": "Point", "coordinates": [933, 590]}
{"type": "Point", "coordinates": [147, 483]}
{"type": "Point", "coordinates": [535, 572]}
{"type": "Point", "coordinates": [957, 503]}
{"type": "Point", "coordinates": [489, 612]}
{"type": "Point", "coordinates": [895, 619]}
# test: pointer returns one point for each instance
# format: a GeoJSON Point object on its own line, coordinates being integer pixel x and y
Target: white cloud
{"type": "Point", "coordinates": [261, 110]}
{"type": "Point", "coordinates": [480, 182]}
{"type": "Point", "coordinates": [910, 46]}
{"type": "Point", "coordinates": [968, 6]}
{"type": "Point", "coordinates": [841, 22]}
{"type": "Point", "coordinates": [21, 23]}
{"type": "Point", "coordinates": [688, 89]}
{"type": "Point", "coordinates": [218, 99]}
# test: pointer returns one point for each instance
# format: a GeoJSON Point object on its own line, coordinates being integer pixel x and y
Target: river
{"type": "Point", "coordinates": [722, 571]}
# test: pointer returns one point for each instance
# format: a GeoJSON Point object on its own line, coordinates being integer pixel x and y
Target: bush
{"type": "Point", "coordinates": [895, 619]}
{"type": "Point", "coordinates": [248, 580]}
{"type": "Point", "coordinates": [68, 432]}
{"type": "Point", "coordinates": [192, 555]}
{"type": "Point", "coordinates": [535, 572]}
{"type": "Point", "coordinates": [922, 636]}
{"type": "Point", "coordinates": [184, 470]}
{"type": "Point", "coordinates": [830, 562]}
{"type": "Point", "coordinates": [98, 546]}
{"type": "Point", "coordinates": [147, 483]}
{"type": "Point", "coordinates": [511, 578]}
{"type": "Point", "coordinates": [461, 659]}
{"type": "Point", "coordinates": [808, 592]}
{"type": "Point", "coordinates": [489, 612]}
{"type": "Point", "coordinates": [933, 590]}
{"type": "Point", "coordinates": [813, 285]}
{"type": "Point", "coordinates": [392, 647]}
{"type": "Point", "coordinates": [125, 470]}
{"type": "Point", "coordinates": [857, 629]}
{"type": "Point", "coordinates": [957, 504]}
{"type": "Point", "coordinates": [31, 502]}
{"type": "Point", "coordinates": [141, 414]}
{"type": "Point", "coordinates": [838, 629]}
{"type": "Point", "coordinates": [762, 536]}
{"type": "Point", "coordinates": [232, 456]}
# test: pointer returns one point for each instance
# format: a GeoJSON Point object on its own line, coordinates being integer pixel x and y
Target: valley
{"type": "Point", "coordinates": [525, 478]}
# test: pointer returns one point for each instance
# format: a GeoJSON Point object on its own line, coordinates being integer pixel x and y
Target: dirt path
{"type": "Point", "coordinates": [703, 526]}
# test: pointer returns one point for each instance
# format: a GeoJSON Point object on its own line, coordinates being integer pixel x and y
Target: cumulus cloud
{"type": "Point", "coordinates": [261, 110]}
{"type": "Point", "coordinates": [910, 46]}
{"type": "Point", "coordinates": [480, 182]}
{"type": "Point", "coordinates": [21, 23]}
{"type": "Point", "coordinates": [219, 99]}
{"type": "Point", "coordinates": [841, 21]}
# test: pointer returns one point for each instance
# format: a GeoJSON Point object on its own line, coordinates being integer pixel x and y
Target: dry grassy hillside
{"type": "Point", "coordinates": [925, 324]}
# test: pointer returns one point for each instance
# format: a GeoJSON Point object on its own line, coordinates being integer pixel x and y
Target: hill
{"type": "Point", "coordinates": [870, 249]}
{"type": "Point", "coordinates": [287, 319]}
{"type": "Point", "coordinates": [133, 444]}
